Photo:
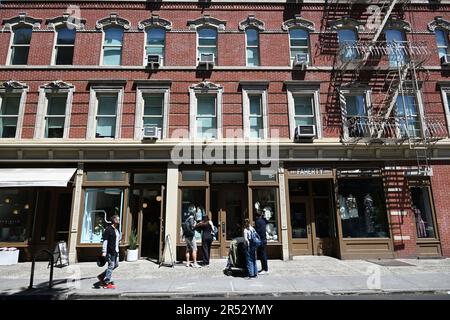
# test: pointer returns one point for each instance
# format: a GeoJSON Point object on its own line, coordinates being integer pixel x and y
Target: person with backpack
{"type": "Point", "coordinates": [191, 244]}
{"type": "Point", "coordinates": [110, 250]}
{"type": "Point", "coordinates": [252, 241]}
{"type": "Point", "coordinates": [207, 228]}
{"type": "Point", "coordinates": [260, 227]}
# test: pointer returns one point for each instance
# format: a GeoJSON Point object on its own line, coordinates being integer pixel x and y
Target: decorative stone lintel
{"type": "Point", "coordinates": [155, 21]}
{"type": "Point", "coordinates": [396, 23]}
{"type": "Point", "coordinates": [57, 85]}
{"type": "Point", "coordinates": [298, 22]}
{"type": "Point", "coordinates": [23, 19]}
{"type": "Point", "coordinates": [205, 86]}
{"type": "Point", "coordinates": [113, 20]}
{"type": "Point", "coordinates": [440, 23]}
{"type": "Point", "coordinates": [207, 21]}
{"type": "Point", "coordinates": [346, 22]}
{"type": "Point", "coordinates": [251, 22]}
{"type": "Point", "coordinates": [67, 19]}
{"type": "Point", "coordinates": [12, 84]}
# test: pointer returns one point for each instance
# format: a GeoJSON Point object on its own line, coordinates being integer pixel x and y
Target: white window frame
{"type": "Point", "coordinates": [140, 103]}
{"type": "Point", "coordinates": [246, 92]}
{"type": "Point", "coordinates": [299, 47]}
{"type": "Point", "coordinates": [93, 108]}
{"type": "Point", "coordinates": [447, 44]}
{"type": "Point", "coordinates": [55, 41]}
{"type": "Point", "coordinates": [247, 46]}
{"type": "Point", "coordinates": [193, 92]}
{"type": "Point", "coordinates": [146, 45]}
{"type": "Point", "coordinates": [23, 95]}
{"type": "Point", "coordinates": [102, 54]}
{"type": "Point", "coordinates": [199, 28]}
{"type": "Point", "coordinates": [353, 92]}
{"type": "Point", "coordinates": [445, 92]}
{"type": "Point", "coordinates": [314, 93]}
{"type": "Point", "coordinates": [41, 115]}
{"type": "Point", "coordinates": [11, 42]}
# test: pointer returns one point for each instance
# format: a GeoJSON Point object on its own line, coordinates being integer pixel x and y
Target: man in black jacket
{"type": "Point", "coordinates": [260, 227]}
{"type": "Point", "coordinates": [110, 250]}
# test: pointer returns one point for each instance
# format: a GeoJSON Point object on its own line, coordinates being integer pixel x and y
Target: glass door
{"type": "Point", "coordinates": [301, 238]}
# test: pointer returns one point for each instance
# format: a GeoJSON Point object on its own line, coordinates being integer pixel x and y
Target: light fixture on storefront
{"type": "Point", "coordinates": [158, 198]}
{"type": "Point", "coordinates": [7, 200]}
{"type": "Point", "coordinates": [144, 205]}
{"type": "Point", "coordinates": [15, 211]}
{"type": "Point", "coordinates": [26, 207]}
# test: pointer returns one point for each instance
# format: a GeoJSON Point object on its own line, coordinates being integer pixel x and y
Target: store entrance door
{"type": "Point", "coordinates": [311, 216]}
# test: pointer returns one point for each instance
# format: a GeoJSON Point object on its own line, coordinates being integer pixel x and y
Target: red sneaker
{"type": "Point", "coordinates": [109, 286]}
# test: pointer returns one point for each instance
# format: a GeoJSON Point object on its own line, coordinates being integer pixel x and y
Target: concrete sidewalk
{"type": "Point", "coordinates": [307, 275]}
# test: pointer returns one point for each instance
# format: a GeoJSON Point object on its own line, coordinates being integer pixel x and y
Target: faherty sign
{"type": "Point", "coordinates": [306, 172]}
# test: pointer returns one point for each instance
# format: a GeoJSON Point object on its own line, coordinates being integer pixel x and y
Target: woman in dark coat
{"type": "Point", "coordinates": [206, 227]}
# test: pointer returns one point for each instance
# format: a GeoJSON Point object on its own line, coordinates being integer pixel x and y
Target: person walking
{"type": "Point", "coordinates": [110, 250]}
{"type": "Point", "coordinates": [251, 250]}
{"type": "Point", "coordinates": [207, 229]}
{"type": "Point", "coordinates": [191, 244]}
{"type": "Point", "coordinates": [260, 227]}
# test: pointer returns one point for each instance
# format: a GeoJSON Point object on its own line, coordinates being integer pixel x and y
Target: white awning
{"type": "Point", "coordinates": [32, 177]}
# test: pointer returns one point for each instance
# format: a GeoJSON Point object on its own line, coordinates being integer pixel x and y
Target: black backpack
{"type": "Point", "coordinates": [188, 230]}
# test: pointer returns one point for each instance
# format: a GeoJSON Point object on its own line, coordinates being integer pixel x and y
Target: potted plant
{"type": "Point", "coordinates": [132, 252]}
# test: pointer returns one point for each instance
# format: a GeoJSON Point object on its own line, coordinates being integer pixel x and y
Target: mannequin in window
{"type": "Point", "coordinates": [368, 213]}
{"type": "Point", "coordinates": [420, 224]}
{"type": "Point", "coordinates": [352, 206]}
{"type": "Point", "coordinates": [343, 210]}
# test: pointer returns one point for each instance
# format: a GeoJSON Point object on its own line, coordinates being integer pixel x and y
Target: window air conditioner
{"type": "Point", "coordinates": [301, 60]}
{"type": "Point", "coordinates": [152, 133]}
{"type": "Point", "coordinates": [153, 61]}
{"type": "Point", "coordinates": [206, 60]}
{"type": "Point", "coordinates": [445, 60]}
{"type": "Point", "coordinates": [305, 132]}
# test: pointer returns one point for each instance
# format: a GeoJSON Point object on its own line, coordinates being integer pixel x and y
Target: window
{"type": "Point", "coordinates": [116, 176]}
{"type": "Point", "coordinates": [255, 116]}
{"type": "Point", "coordinates": [21, 45]}
{"type": "Point", "coordinates": [407, 116]}
{"type": "Point", "coordinates": [206, 119]}
{"type": "Point", "coordinates": [347, 43]}
{"type": "Point", "coordinates": [56, 116]}
{"type": "Point", "coordinates": [65, 43]}
{"type": "Point", "coordinates": [423, 213]}
{"type": "Point", "coordinates": [112, 46]}
{"type": "Point", "coordinates": [356, 115]}
{"type": "Point", "coordinates": [99, 206]}
{"type": "Point", "coordinates": [16, 214]}
{"type": "Point", "coordinates": [106, 115]}
{"type": "Point", "coordinates": [396, 41]}
{"type": "Point", "coordinates": [193, 202]}
{"type": "Point", "coordinates": [299, 42]}
{"type": "Point", "coordinates": [153, 110]}
{"type": "Point", "coordinates": [265, 202]}
{"type": "Point", "coordinates": [9, 115]}
{"type": "Point", "coordinates": [252, 38]}
{"type": "Point", "coordinates": [442, 42]}
{"type": "Point", "coordinates": [304, 110]}
{"type": "Point", "coordinates": [207, 42]}
{"type": "Point", "coordinates": [156, 40]}
{"type": "Point", "coordinates": [362, 208]}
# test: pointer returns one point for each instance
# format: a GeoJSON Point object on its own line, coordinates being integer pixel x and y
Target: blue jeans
{"type": "Point", "coordinates": [251, 261]}
{"type": "Point", "coordinates": [113, 263]}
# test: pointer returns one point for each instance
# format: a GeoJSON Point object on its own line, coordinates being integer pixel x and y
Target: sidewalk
{"type": "Point", "coordinates": [305, 275]}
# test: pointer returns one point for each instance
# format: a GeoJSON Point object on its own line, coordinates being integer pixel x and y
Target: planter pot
{"type": "Point", "coordinates": [9, 257]}
{"type": "Point", "coordinates": [132, 255]}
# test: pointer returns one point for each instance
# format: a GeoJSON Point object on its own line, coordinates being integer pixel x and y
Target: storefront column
{"type": "Point", "coordinates": [283, 214]}
{"type": "Point", "coordinates": [75, 216]}
{"type": "Point", "coordinates": [171, 211]}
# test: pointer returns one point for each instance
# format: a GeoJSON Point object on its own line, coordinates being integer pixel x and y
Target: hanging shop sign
{"type": "Point", "coordinates": [310, 172]}
{"type": "Point", "coordinates": [357, 173]}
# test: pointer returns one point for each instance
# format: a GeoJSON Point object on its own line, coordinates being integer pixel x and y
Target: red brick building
{"type": "Point", "coordinates": [349, 99]}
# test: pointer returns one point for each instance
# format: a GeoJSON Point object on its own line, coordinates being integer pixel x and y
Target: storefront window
{"type": "Point", "coordinates": [260, 175]}
{"type": "Point", "coordinates": [106, 176]}
{"type": "Point", "coordinates": [193, 202]}
{"type": "Point", "coordinates": [421, 206]}
{"type": "Point", "coordinates": [150, 178]}
{"type": "Point", "coordinates": [362, 208]}
{"type": "Point", "coordinates": [193, 175]}
{"type": "Point", "coordinates": [100, 205]}
{"type": "Point", "coordinates": [16, 211]}
{"type": "Point", "coordinates": [265, 202]}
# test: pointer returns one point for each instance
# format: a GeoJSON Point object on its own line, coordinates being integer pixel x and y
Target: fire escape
{"type": "Point", "coordinates": [391, 120]}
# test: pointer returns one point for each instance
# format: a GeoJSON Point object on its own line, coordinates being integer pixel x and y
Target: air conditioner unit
{"type": "Point", "coordinates": [445, 60]}
{"type": "Point", "coordinates": [206, 60]}
{"type": "Point", "coordinates": [305, 132]}
{"type": "Point", "coordinates": [153, 61]}
{"type": "Point", "coordinates": [151, 133]}
{"type": "Point", "coordinates": [301, 60]}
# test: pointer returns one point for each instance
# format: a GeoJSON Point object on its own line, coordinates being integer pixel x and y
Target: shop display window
{"type": "Point", "coordinates": [106, 176]}
{"type": "Point", "coordinates": [362, 208]}
{"type": "Point", "coordinates": [421, 207]}
{"type": "Point", "coordinates": [193, 202]}
{"type": "Point", "coordinates": [100, 205]}
{"type": "Point", "coordinates": [16, 212]}
{"type": "Point", "coordinates": [265, 201]}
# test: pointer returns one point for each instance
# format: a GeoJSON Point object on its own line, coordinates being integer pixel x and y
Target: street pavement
{"type": "Point", "coordinates": [306, 276]}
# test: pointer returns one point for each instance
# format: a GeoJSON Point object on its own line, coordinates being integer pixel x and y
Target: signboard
{"type": "Point", "coordinates": [311, 172]}
{"type": "Point", "coordinates": [60, 254]}
{"type": "Point", "coordinates": [359, 173]}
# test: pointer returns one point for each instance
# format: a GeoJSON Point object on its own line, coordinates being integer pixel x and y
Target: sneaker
{"type": "Point", "coordinates": [196, 265]}
{"type": "Point", "coordinates": [109, 286]}
{"type": "Point", "coordinates": [101, 280]}
{"type": "Point", "coordinates": [263, 272]}
{"type": "Point", "coordinates": [188, 265]}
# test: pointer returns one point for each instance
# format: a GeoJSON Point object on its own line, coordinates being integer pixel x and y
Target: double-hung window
{"type": "Point", "coordinates": [155, 44]}
{"type": "Point", "coordinates": [207, 42]}
{"type": "Point", "coordinates": [442, 42]}
{"type": "Point", "coordinates": [112, 46]}
{"type": "Point", "coordinates": [304, 110]}
{"type": "Point", "coordinates": [20, 47]}
{"type": "Point", "coordinates": [106, 117]}
{"type": "Point", "coordinates": [356, 115]}
{"type": "Point", "coordinates": [299, 43]}
{"type": "Point", "coordinates": [252, 41]}
{"type": "Point", "coordinates": [56, 115]}
{"type": "Point", "coordinates": [408, 116]}
{"type": "Point", "coordinates": [65, 44]}
{"type": "Point", "coordinates": [206, 118]}
{"type": "Point", "coordinates": [255, 115]}
{"type": "Point", "coordinates": [396, 47]}
{"type": "Point", "coordinates": [347, 43]}
{"type": "Point", "coordinates": [9, 115]}
{"type": "Point", "coordinates": [153, 110]}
